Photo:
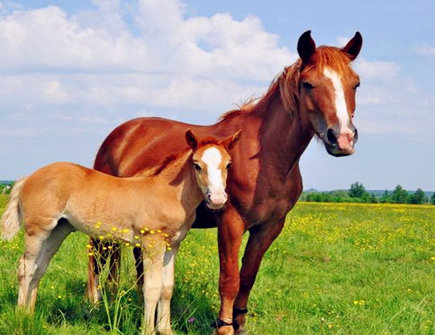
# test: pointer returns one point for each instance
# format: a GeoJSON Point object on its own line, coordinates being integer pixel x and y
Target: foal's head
{"type": "Point", "coordinates": [327, 86]}
{"type": "Point", "coordinates": [211, 162]}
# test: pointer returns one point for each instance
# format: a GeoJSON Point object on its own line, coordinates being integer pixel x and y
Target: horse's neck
{"type": "Point", "coordinates": [284, 132]}
{"type": "Point", "coordinates": [280, 134]}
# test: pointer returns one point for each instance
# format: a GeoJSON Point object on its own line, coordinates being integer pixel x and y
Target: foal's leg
{"type": "Point", "coordinates": [260, 238]}
{"type": "Point", "coordinates": [40, 248]}
{"type": "Point", "coordinates": [50, 247]}
{"type": "Point", "coordinates": [27, 267]}
{"type": "Point", "coordinates": [164, 306]}
{"type": "Point", "coordinates": [152, 284]}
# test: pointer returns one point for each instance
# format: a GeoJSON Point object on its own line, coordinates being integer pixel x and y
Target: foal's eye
{"type": "Point", "coordinates": [228, 166]}
{"type": "Point", "coordinates": [356, 86]}
{"type": "Point", "coordinates": [307, 85]}
{"type": "Point", "coordinates": [197, 167]}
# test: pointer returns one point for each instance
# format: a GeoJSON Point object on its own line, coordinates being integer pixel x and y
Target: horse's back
{"type": "Point", "coordinates": [141, 145]}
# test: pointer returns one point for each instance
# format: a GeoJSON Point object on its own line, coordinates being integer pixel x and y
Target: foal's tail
{"type": "Point", "coordinates": [11, 218]}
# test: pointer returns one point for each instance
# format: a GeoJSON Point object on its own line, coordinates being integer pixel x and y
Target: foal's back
{"type": "Point", "coordinates": [67, 189]}
{"type": "Point", "coordinates": [84, 197]}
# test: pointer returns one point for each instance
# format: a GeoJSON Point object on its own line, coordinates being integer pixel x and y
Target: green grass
{"type": "Point", "coordinates": [335, 269]}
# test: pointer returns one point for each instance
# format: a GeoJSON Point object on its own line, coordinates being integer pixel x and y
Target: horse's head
{"type": "Point", "coordinates": [211, 161]}
{"type": "Point", "coordinates": [327, 86]}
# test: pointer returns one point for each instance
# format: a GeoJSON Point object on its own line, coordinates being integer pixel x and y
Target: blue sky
{"type": "Point", "coordinates": [71, 71]}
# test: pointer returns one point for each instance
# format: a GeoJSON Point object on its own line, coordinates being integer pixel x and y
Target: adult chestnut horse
{"type": "Point", "coordinates": [314, 96]}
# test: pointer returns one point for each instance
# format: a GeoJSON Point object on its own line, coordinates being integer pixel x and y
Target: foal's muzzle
{"type": "Point", "coordinates": [216, 200]}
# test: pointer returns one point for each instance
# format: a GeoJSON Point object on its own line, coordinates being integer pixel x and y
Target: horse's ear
{"type": "Point", "coordinates": [353, 47]}
{"type": "Point", "coordinates": [191, 139]}
{"type": "Point", "coordinates": [306, 47]}
{"type": "Point", "coordinates": [231, 140]}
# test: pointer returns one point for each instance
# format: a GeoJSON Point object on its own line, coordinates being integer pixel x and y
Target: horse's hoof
{"type": "Point", "coordinates": [225, 330]}
{"type": "Point", "coordinates": [241, 332]}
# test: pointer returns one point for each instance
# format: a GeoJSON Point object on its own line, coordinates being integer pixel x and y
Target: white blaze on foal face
{"type": "Point", "coordinates": [211, 164]}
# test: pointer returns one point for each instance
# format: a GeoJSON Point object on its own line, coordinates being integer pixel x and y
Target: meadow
{"type": "Point", "coordinates": [335, 269]}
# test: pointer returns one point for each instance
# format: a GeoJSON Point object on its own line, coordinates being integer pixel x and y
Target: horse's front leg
{"type": "Point", "coordinates": [230, 232]}
{"type": "Point", "coordinates": [260, 239]}
{"type": "Point", "coordinates": [153, 261]}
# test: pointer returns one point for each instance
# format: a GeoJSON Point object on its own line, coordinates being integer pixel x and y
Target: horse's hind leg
{"type": "Point", "coordinates": [40, 248]}
{"type": "Point", "coordinates": [98, 257]}
{"type": "Point", "coordinates": [93, 272]}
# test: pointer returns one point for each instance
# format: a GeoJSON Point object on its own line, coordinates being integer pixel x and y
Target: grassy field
{"type": "Point", "coordinates": [335, 269]}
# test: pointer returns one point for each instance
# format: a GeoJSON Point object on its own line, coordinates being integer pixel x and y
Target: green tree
{"type": "Point", "coordinates": [386, 197]}
{"type": "Point", "coordinates": [399, 195]}
{"type": "Point", "coordinates": [357, 190]}
{"type": "Point", "coordinates": [418, 197]}
{"type": "Point", "coordinates": [432, 199]}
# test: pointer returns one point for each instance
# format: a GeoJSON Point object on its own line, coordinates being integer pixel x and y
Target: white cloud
{"type": "Point", "coordinates": [377, 70]}
{"type": "Point", "coordinates": [144, 54]}
{"type": "Point", "coordinates": [427, 50]}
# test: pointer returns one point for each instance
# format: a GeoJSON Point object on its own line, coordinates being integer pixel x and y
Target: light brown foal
{"type": "Point", "coordinates": [154, 212]}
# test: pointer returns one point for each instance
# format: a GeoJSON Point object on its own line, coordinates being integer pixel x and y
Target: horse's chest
{"type": "Point", "coordinates": [269, 199]}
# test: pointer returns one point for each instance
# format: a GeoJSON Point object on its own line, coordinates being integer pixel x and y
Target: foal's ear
{"type": "Point", "coordinates": [231, 140]}
{"type": "Point", "coordinates": [353, 47]}
{"type": "Point", "coordinates": [306, 47]}
{"type": "Point", "coordinates": [191, 139]}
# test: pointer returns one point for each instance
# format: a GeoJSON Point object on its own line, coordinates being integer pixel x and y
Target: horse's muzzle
{"type": "Point", "coordinates": [341, 144]}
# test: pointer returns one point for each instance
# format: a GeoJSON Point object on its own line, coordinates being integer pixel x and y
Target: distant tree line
{"type": "Point", "coordinates": [358, 193]}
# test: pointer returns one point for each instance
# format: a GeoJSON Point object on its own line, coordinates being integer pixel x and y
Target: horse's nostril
{"type": "Point", "coordinates": [331, 136]}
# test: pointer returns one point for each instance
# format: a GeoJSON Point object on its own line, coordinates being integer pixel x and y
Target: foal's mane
{"type": "Point", "coordinates": [173, 159]}
{"type": "Point", "coordinates": [286, 83]}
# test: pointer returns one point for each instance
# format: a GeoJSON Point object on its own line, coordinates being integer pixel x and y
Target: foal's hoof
{"type": "Point", "coordinates": [225, 330]}
{"type": "Point", "coordinates": [241, 332]}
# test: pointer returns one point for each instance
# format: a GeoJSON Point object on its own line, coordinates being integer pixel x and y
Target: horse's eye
{"type": "Point", "coordinates": [228, 166]}
{"type": "Point", "coordinates": [197, 167]}
{"type": "Point", "coordinates": [356, 86]}
{"type": "Point", "coordinates": [307, 85]}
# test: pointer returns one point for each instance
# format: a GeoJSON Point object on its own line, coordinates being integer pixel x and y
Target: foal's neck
{"type": "Point", "coordinates": [178, 174]}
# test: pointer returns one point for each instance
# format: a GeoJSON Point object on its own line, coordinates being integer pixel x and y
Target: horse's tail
{"type": "Point", "coordinates": [11, 218]}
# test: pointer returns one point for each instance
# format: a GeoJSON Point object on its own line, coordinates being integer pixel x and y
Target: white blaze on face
{"type": "Point", "coordinates": [340, 100]}
{"type": "Point", "coordinates": [212, 158]}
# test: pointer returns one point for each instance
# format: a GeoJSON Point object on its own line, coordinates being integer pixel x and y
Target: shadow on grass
{"type": "Point", "coordinates": [191, 312]}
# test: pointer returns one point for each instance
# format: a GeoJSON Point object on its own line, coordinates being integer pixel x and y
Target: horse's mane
{"type": "Point", "coordinates": [286, 82]}
{"type": "Point", "coordinates": [166, 162]}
